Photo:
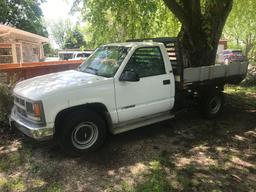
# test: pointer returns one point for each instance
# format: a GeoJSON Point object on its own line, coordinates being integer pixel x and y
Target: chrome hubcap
{"type": "Point", "coordinates": [84, 135]}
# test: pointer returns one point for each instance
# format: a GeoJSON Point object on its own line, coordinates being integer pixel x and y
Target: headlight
{"type": "Point", "coordinates": [35, 111]}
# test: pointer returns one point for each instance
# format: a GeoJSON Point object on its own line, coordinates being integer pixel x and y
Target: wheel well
{"type": "Point", "coordinates": [210, 89]}
{"type": "Point", "coordinates": [99, 108]}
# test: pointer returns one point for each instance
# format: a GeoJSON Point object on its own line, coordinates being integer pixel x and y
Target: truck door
{"type": "Point", "coordinates": [153, 92]}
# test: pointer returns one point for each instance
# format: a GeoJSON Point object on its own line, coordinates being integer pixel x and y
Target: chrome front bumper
{"type": "Point", "coordinates": [33, 131]}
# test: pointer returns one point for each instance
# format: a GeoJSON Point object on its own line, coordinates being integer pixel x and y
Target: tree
{"type": "Point", "coordinates": [59, 31]}
{"type": "Point", "coordinates": [66, 36]}
{"type": "Point", "coordinates": [202, 25]}
{"type": "Point", "coordinates": [114, 21]}
{"type": "Point", "coordinates": [23, 14]}
{"type": "Point", "coordinates": [74, 39]}
{"type": "Point", "coordinates": [49, 51]}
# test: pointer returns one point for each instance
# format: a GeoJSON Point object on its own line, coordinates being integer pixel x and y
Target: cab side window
{"type": "Point", "coordinates": [146, 61]}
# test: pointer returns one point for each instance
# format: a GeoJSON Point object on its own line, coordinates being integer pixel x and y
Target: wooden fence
{"type": "Point", "coordinates": [11, 73]}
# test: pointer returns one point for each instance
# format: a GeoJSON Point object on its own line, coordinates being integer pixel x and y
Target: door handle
{"type": "Point", "coordinates": [166, 82]}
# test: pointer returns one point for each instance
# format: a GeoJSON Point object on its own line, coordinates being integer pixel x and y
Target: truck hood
{"type": "Point", "coordinates": [42, 86]}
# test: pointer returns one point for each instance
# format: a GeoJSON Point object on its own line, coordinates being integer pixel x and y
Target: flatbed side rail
{"type": "Point", "coordinates": [232, 73]}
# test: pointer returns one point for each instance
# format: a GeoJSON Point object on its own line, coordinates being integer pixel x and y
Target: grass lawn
{"type": "Point", "coordinates": [185, 154]}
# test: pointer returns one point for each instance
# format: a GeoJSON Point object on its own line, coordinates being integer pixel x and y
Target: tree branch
{"type": "Point", "coordinates": [196, 6]}
{"type": "Point", "coordinates": [227, 8]}
{"type": "Point", "coordinates": [177, 10]}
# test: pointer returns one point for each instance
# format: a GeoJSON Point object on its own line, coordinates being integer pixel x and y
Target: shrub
{"type": "Point", "coordinates": [6, 102]}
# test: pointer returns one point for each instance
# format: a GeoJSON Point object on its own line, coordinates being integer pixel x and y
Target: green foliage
{"type": "Point", "coordinates": [241, 26]}
{"type": "Point", "coordinates": [114, 21]}
{"type": "Point", "coordinates": [49, 51]}
{"type": "Point", "coordinates": [67, 36]}
{"type": "Point", "coordinates": [6, 102]}
{"type": "Point", "coordinates": [242, 97]}
{"type": "Point", "coordinates": [55, 187]}
{"type": "Point", "coordinates": [23, 14]}
{"type": "Point", "coordinates": [156, 181]}
{"type": "Point", "coordinates": [12, 185]}
{"type": "Point", "coordinates": [74, 39]}
{"type": "Point", "coordinates": [11, 160]}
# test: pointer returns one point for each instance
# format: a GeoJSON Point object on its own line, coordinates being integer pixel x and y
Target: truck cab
{"type": "Point", "coordinates": [118, 88]}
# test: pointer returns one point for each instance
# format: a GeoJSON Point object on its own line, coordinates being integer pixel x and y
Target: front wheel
{"type": "Point", "coordinates": [82, 132]}
{"type": "Point", "coordinates": [212, 104]}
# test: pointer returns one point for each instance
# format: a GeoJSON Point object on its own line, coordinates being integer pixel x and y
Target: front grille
{"type": "Point", "coordinates": [19, 101]}
{"type": "Point", "coordinates": [21, 111]}
{"type": "Point", "coordinates": [20, 105]}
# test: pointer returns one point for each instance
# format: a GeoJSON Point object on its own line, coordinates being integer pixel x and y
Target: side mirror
{"type": "Point", "coordinates": [130, 76]}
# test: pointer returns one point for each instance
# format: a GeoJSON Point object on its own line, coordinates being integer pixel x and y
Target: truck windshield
{"type": "Point", "coordinates": [105, 61]}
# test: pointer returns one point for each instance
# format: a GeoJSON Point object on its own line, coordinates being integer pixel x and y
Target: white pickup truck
{"type": "Point", "coordinates": [120, 87]}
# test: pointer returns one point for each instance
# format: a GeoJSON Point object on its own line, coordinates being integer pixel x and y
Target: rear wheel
{"type": "Point", "coordinates": [82, 132]}
{"type": "Point", "coordinates": [212, 104]}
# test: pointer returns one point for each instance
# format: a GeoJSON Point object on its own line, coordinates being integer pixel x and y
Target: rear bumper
{"type": "Point", "coordinates": [33, 131]}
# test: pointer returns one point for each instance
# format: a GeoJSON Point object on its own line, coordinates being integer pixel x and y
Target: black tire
{"type": "Point", "coordinates": [212, 104]}
{"type": "Point", "coordinates": [82, 132]}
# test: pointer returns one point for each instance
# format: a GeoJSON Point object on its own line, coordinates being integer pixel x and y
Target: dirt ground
{"type": "Point", "coordinates": [187, 153]}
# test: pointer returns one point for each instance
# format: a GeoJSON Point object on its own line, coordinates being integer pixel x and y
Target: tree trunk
{"type": "Point", "coordinates": [195, 48]}
{"type": "Point", "coordinates": [249, 44]}
{"type": "Point", "coordinates": [201, 30]}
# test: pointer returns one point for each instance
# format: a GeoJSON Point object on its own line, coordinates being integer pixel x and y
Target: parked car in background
{"type": "Point", "coordinates": [228, 56]}
{"type": "Point", "coordinates": [81, 55]}
{"type": "Point", "coordinates": [65, 55]}
{"type": "Point", "coordinates": [74, 55]}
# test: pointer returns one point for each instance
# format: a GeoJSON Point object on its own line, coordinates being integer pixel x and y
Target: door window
{"type": "Point", "coordinates": [146, 61]}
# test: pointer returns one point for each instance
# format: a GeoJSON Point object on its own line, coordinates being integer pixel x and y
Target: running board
{"type": "Point", "coordinates": [140, 122]}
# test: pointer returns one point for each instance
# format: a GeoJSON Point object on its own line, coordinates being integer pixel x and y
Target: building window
{"type": "Point", "coordinates": [5, 53]}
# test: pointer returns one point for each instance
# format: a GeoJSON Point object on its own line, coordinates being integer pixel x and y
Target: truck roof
{"type": "Point", "coordinates": [134, 44]}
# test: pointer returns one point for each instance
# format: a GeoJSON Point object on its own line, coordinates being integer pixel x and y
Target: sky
{"type": "Point", "coordinates": [57, 9]}
{"type": "Point", "coordinates": [54, 10]}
